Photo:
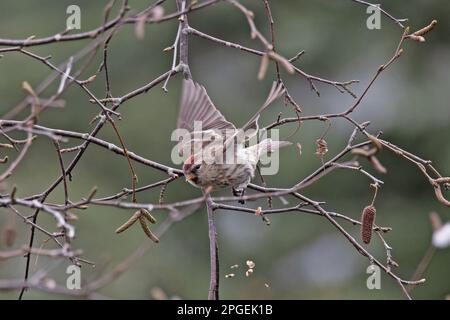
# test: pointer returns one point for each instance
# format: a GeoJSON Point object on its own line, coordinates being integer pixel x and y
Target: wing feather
{"type": "Point", "coordinates": [197, 106]}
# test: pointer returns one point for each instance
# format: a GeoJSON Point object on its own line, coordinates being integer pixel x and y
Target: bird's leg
{"type": "Point", "coordinates": [242, 191]}
{"type": "Point", "coordinates": [239, 192]}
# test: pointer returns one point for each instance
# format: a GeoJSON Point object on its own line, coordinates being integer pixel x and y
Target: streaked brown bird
{"type": "Point", "coordinates": [208, 165]}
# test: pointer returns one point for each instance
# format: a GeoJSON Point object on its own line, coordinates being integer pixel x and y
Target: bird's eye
{"type": "Point", "coordinates": [196, 167]}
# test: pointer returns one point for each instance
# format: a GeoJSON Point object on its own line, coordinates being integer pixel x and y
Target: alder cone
{"type": "Point", "coordinates": [367, 220]}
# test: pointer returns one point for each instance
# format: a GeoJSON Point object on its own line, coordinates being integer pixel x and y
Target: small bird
{"type": "Point", "coordinates": [208, 166]}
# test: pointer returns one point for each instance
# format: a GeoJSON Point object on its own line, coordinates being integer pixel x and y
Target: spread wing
{"type": "Point", "coordinates": [197, 106]}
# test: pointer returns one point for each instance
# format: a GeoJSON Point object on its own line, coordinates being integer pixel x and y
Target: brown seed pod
{"type": "Point", "coordinates": [263, 67]}
{"type": "Point", "coordinates": [129, 222]}
{"type": "Point", "coordinates": [367, 220]}
{"type": "Point", "coordinates": [426, 29]}
{"type": "Point", "coordinates": [322, 147]}
{"type": "Point", "coordinates": [299, 147]}
{"type": "Point", "coordinates": [375, 141]}
{"type": "Point", "coordinates": [281, 60]}
{"type": "Point", "coordinates": [377, 165]}
{"type": "Point", "coordinates": [147, 230]}
{"type": "Point", "coordinates": [148, 216]}
{"type": "Point", "coordinates": [6, 145]}
{"type": "Point", "coordinates": [162, 193]}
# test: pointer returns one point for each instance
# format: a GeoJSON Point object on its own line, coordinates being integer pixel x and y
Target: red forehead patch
{"type": "Point", "coordinates": [188, 163]}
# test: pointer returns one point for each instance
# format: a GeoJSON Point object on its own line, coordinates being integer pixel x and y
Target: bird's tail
{"type": "Point", "coordinates": [265, 147]}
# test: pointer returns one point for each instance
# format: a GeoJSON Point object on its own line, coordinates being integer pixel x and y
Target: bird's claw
{"type": "Point", "coordinates": [239, 193]}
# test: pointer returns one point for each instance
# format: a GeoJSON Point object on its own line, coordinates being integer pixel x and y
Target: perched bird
{"type": "Point", "coordinates": [207, 164]}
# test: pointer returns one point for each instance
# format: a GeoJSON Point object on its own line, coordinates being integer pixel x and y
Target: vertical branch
{"type": "Point", "coordinates": [213, 293]}
{"type": "Point", "coordinates": [63, 172]}
{"type": "Point", "coordinates": [272, 34]}
{"type": "Point", "coordinates": [422, 267]}
{"type": "Point", "coordinates": [184, 61]}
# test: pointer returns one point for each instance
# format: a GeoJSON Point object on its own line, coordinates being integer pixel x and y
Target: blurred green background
{"type": "Point", "coordinates": [299, 256]}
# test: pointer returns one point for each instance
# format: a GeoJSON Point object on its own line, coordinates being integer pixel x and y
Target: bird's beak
{"type": "Point", "coordinates": [190, 177]}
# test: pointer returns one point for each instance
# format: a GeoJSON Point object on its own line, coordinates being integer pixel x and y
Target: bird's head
{"type": "Point", "coordinates": [191, 169]}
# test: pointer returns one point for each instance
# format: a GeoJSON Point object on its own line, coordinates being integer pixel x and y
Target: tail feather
{"type": "Point", "coordinates": [269, 145]}
{"type": "Point", "coordinates": [266, 147]}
